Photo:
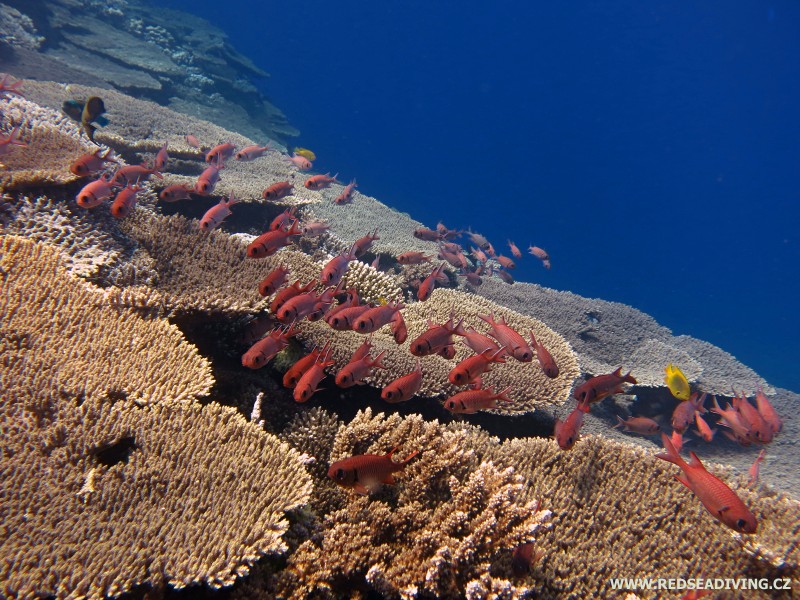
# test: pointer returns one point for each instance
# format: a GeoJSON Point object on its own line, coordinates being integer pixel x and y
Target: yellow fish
{"type": "Point", "coordinates": [306, 153]}
{"type": "Point", "coordinates": [677, 383]}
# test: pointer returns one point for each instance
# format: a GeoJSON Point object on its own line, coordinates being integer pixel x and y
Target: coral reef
{"type": "Point", "coordinates": [618, 512]}
{"type": "Point", "coordinates": [206, 271]}
{"type": "Point", "coordinates": [372, 285]}
{"type": "Point", "coordinates": [159, 495]}
{"type": "Point", "coordinates": [437, 533]}
{"type": "Point", "coordinates": [60, 325]}
{"type": "Point", "coordinates": [609, 334]}
{"type": "Point", "coordinates": [531, 389]}
{"type": "Point", "coordinates": [86, 249]}
{"type": "Point", "coordinates": [52, 143]}
{"type": "Point", "coordinates": [17, 29]}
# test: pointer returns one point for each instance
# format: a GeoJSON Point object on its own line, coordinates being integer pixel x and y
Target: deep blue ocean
{"type": "Point", "coordinates": [653, 148]}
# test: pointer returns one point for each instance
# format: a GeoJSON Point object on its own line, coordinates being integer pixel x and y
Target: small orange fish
{"type": "Point", "coordinates": [524, 558]}
{"type": "Point", "coordinates": [252, 152]}
{"type": "Point", "coordinates": [413, 258]}
{"type": "Point", "coordinates": [720, 500]}
{"type": "Point", "coordinates": [315, 228]}
{"type": "Point", "coordinates": [125, 201]}
{"type": "Point", "coordinates": [705, 431]}
{"type": "Point", "coordinates": [403, 388]}
{"type": "Point", "coordinates": [472, 367]}
{"type": "Point", "coordinates": [539, 253]}
{"type": "Point", "coordinates": [425, 288]}
{"type": "Point", "coordinates": [364, 473]}
{"type": "Point", "coordinates": [469, 402]}
{"type": "Point", "coordinates": [308, 384]}
{"type": "Point", "coordinates": [399, 329]}
{"type": "Point", "coordinates": [91, 163]}
{"type": "Point", "coordinates": [175, 192]}
{"type": "Point", "coordinates": [301, 162]}
{"type": "Point", "coordinates": [356, 370]}
{"type": "Point", "coordinates": [640, 425]}
{"type": "Point", "coordinates": [599, 387]}
{"type": "Point", "coordinates": [684, 412]}
{"type": "Point", "coordinates": [161, 159]}
{"type": "Point", "coordinates": [216, 214]}
{"type": "Point", "coordinates": [768, 412]}
{"type": "Point", "coordinates": [514, 343]}
{"type": "Point", "coordinates": [278, 190]}
{"type": "Point", "coordinates": [318, 182]}
{"type": "Point", "coordinates": [265, 349]}
{"type": "Point", "coordinates": [93, 194]}
{"type": "Point", "coordinates": [335, 268]}
{"type": "Point", "coordinates": [275, 279]}
{"type": "Point", "coordinates": [362, 244]}
{"type": "Point", "coordinates": [515, 252]}
{"type": "Point", "coordinates": [270, 242]}
{"type": "Point", "coordinates": [133, 174]}
{"type": "Point", "coordinates": [567, 432]}
{"type": "Point", "coordinates": [347, 193]}
{"type": "Point", "coordinates": [295, 372]}
{"type": "Point", "coordinates": [429, 235]}
{"type": "Point", "coordinates": [761, 430]}
{"type": "Point", "coordinates": [220, 153]}
{"type": "Point", "coordinates": [546, 361]}
{"type": "Point", "coordinates": [192, 140]}
{"type": "Point", "coordinates": [375, 318]}
{"type": "Point", "coordinates": [677, 440]}
{"type": "Point", "coordinates": [754, 469]}
{"type": "Point", "coordinates": [208, 179]}
{"type": "Point", "coordinates": [505, 262]}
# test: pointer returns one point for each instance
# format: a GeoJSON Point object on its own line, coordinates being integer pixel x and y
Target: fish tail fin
{"type": "Point", "coordinates": [409, 458]}
{"type": "Point", "coordinates": [629, 378]}
{"type": "Point", "coordinates": [501, 395]}
{"type": "Point", "coordinates": [620, 423]}
{"type": "Point", "coordinates": [671, 454]}
{"type": "Point", "coordinates": [377, 362]}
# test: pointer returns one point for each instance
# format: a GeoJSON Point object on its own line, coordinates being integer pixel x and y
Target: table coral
{"type": "Point", "coordinates": [70, 329]}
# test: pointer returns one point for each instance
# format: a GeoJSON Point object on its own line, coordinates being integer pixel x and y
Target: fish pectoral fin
{"type": "Point", "coordinates": [722, 510]}
{"type": "Point", "coordinates": [361, 489]}
{"type": "Point", "coordinates": [683, 480]}
{"type": "Point", "coordinates": [388, 479]}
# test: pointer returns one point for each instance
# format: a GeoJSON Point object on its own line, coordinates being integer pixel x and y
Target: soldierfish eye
{"type": "Point", "coordinates": [741, 524]}
{"type": "Point", "coordinates": [389, 394]}
{"type": "Point", "coordinates": [450, 405]}
{"type": "Point", "coordinates": [339, 473]}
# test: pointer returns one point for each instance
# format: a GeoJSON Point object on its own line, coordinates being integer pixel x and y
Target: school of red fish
{"type": "Point", "coordinates": [342, 310]}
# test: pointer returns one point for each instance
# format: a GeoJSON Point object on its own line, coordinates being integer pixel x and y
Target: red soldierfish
{"type": "Point", "coordinates": [364, 473]}
{"type": "Point", "coordinates": [362, 244]}
{"type": "Point", "coordinates": [220, 153]}
{"type": "Point", "coordinates": [436, 337]}
{"type": "Point", "coordinates": [301, 162]}
{"type": "Point", "coordinates": [347, 193]}
{"type": "Point", "coordinates": [641, 425]}
{"type": "Point", "coordinates": [720, 500]}
{"type": "Point", "coordinates": [567, 431]}
{"type": "Point", "coordinates": [216, 214]}
{"type": "Point", "coordinates": [599, 387]}
{"type": "Point", "coordinates": [335, 268]}
{"type": "Point", "coordinates": [480, 342]}
{"type": "Point", "coordinates": [413, 258]}
{"type": "Point", "coordinates": [207, 180]}
{"type": "Point", "coordinates": [175, 192]}
{"type": "Point", "coordinates": [133, 174]}
{"type": "Point", "coordinates": [125, 201]}
{"type": "Point", "coordinates": [546, 360]}
{"type": "Point", "coordinates": [308, 384]}
{"type": "Point", "coordinates": [754, 469]}
{"type": "Point", "coordinates": [761, 431]}
{"type": "Point", "coordinates": [705, 431]}
{"type": "Point", "coordinates": [252, 152]}
{"type": "Point", "coordinates": [277, 191]}
{"type": "Point", "coordinates": [270, 242]}
{"type": "Point", "coordinates": [265, 349]}
{"type": "Point", "coordinates": [429, 235]}
{"type": "Point", "coordinates": [472, 367]}
{"type": "Point", "coordinates": [399, 329]}
{"type": "Point", "coordinates": [538, 253]}
{"type": "Point", "coordinates": [768, 412]}
{"type": "Point", "coordinates": [426, 287]}
{"type": "Point", "coordinates": [683, 415]}
{"type": "Point", "coordinates": [295, 372]}
{"type": "Point", "coordinates": [375, 318]}
{"type": "Point", "coordinates": [6, 87]}
{"type": "Point", "coordinates": [285, 294]}
{"type": "Point", "coordinates": [275, 279]}
{"type": "Point", "coordinates": [357, 369]}
{"type": "Point", "coordinates": [89, 164]}
{"type": "Point", "coordinates": [403, 388]}
{"type": "Point", "coordinates": [505, 262]}
{"type": "Point", "coordinates": [318, 182]}
{"type": "Point", "coordinates": [515, 252]}
{"type": "Point", "coordinates": [342, 320]}
{"type": "Point", "coordinates": [93, 194]}
{"type": "Point", "coordinates": [161, 158]}
{"type": "Point", "coordinates": [514, 343]}
{"type": "Point", "coordinates": [471, 401]}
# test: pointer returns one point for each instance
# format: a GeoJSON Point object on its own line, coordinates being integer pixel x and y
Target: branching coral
{"type": "Point", "coordinates": [199, 271]}
{"type": "Point", "coordinates": [69, 329]}
{"type": "Point", "coordinates": [437, 533]}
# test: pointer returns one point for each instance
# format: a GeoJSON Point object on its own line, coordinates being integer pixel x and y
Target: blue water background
{"type": "Point", "coordinates": [653, 148]}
